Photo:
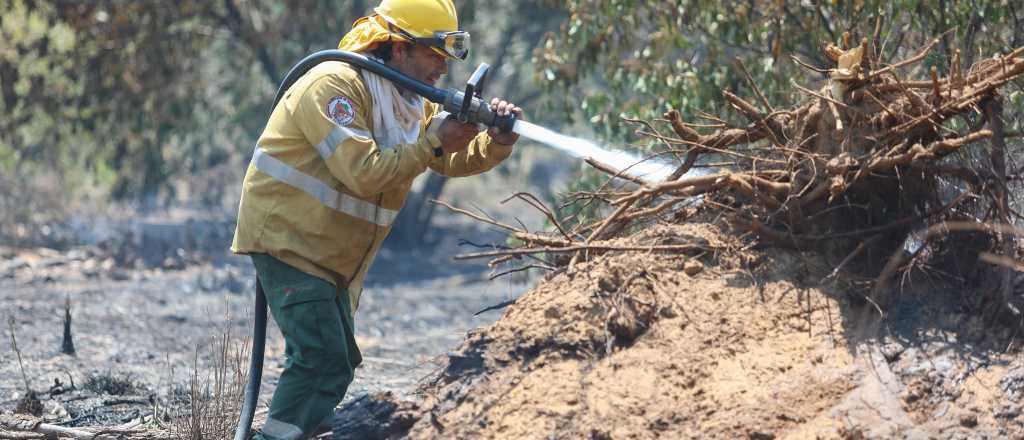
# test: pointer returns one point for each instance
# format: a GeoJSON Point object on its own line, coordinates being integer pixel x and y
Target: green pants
{"type": "Point", "coordinates": [320, 347]}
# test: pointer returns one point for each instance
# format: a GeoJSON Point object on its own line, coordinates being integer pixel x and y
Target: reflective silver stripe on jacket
{"type": "Point", "coordinates": [320, 191]}
{"type": "Point", "coordinates": [338, 135]}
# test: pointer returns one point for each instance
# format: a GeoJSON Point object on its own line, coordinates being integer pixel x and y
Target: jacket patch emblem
{"type": "Point", "coordinates": [340, 110]}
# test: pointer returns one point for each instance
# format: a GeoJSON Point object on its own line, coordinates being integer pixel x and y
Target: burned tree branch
{"type": "Point", "coordinates": [871, 153]}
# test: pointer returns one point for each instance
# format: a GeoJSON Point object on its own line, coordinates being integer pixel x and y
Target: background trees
{"type": "Point", "coordinates": [613, 57]}
{"type": "Point", "coordinates": [156, 102]}
{"type": "Point", "coordinates": [617, 59]}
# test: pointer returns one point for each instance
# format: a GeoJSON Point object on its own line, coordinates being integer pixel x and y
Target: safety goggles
{"type": "Point", "coordinates": [455, 43]}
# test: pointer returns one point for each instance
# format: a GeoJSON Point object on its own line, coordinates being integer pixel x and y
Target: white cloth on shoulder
{"type": "Point", "coordinates": [396, 119]}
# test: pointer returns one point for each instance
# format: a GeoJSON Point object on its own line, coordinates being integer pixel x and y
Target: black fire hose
{"type": "Point", "coordinates": [454, 101]}
{"type": "Point", "coordinates": [473, 110]}
{"type": "Point", "coordinates": [252, 389]}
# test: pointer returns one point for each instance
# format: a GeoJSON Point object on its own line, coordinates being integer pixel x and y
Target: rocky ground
{"type": "Point", "coordinates": [139, 319]}
{"type": "Point", "coordinates": [147, 289]}
{"type": "Point", "coordinates": [728, 342]}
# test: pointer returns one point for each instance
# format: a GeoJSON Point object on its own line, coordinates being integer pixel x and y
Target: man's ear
{"type": "Point", "coordinates": [399, 51]}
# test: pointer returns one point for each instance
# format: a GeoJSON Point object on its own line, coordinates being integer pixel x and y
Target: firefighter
{"type": "Point", "coordinates": [330, 171]}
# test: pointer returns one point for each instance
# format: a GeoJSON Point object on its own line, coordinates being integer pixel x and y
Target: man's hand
{"type": "Point", "coordinates": [455, 136]}
{"type": "Point", "coordinates": [503, 108]}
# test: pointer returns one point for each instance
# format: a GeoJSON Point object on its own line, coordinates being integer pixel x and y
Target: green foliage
{"type": "Point", "coordinates": [130, 96]}
{"type": "Point", "coordinates": [133, 96]}
{"type": "Point", "coordinates": [126, 94]}
{"type": "Point", "coordinates": [83, 93]}
{"type": "Point", "coordinates": [621, 57]}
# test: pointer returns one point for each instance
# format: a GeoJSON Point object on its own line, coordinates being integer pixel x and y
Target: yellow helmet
{"type": "Point", "coordinates": [421, 18]}
{"type": "Point", "coordinates": [434, 23]}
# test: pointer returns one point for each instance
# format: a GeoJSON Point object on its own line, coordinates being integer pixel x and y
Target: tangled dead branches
{"type": "Point", "coordinates": [868, 162]}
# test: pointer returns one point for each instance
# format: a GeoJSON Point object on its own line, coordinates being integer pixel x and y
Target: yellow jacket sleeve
{"type": "Point", "coordinates": [481, 155]}
{"type": "Point", "coordinates": [333, 115]}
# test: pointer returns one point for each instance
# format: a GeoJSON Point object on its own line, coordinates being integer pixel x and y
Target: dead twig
{"type": "Point", "coordinates": [616, 174]}
{"type": "Point", "coordinates": [912, 60]}
{"type": "Point", "coordinates": [521, 269]}
{"type": "Point", "coordinates": [498, 306]}
{"type": "Point", "coordinates": [588, 247]}
{"type": "Point", "coordinates": [24, 427]}
{"type": "Point", "coordinates": [753, 85]}
{"type": "Point", "coordinates": [856, 253]}
{"type": "Point", "coordinates": [14, 345]}
{"type": "Point", "coordinates": [475, 216]}
{"type": "Point", "coordinates": [536, 203]}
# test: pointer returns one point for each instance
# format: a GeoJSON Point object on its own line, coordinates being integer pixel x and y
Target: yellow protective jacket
{"type": "Point", "coordinates": [320, 195]}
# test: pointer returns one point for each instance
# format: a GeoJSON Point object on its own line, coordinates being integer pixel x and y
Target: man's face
{"type": "Point", "coordinates": [419, 62]}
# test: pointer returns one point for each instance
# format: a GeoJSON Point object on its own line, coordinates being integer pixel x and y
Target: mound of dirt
{"type": "Point", "coordinates": [727, 344]}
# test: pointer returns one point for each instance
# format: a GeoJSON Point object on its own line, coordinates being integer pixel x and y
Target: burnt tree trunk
{"type": "Point", "coordinates": [412, 227]}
